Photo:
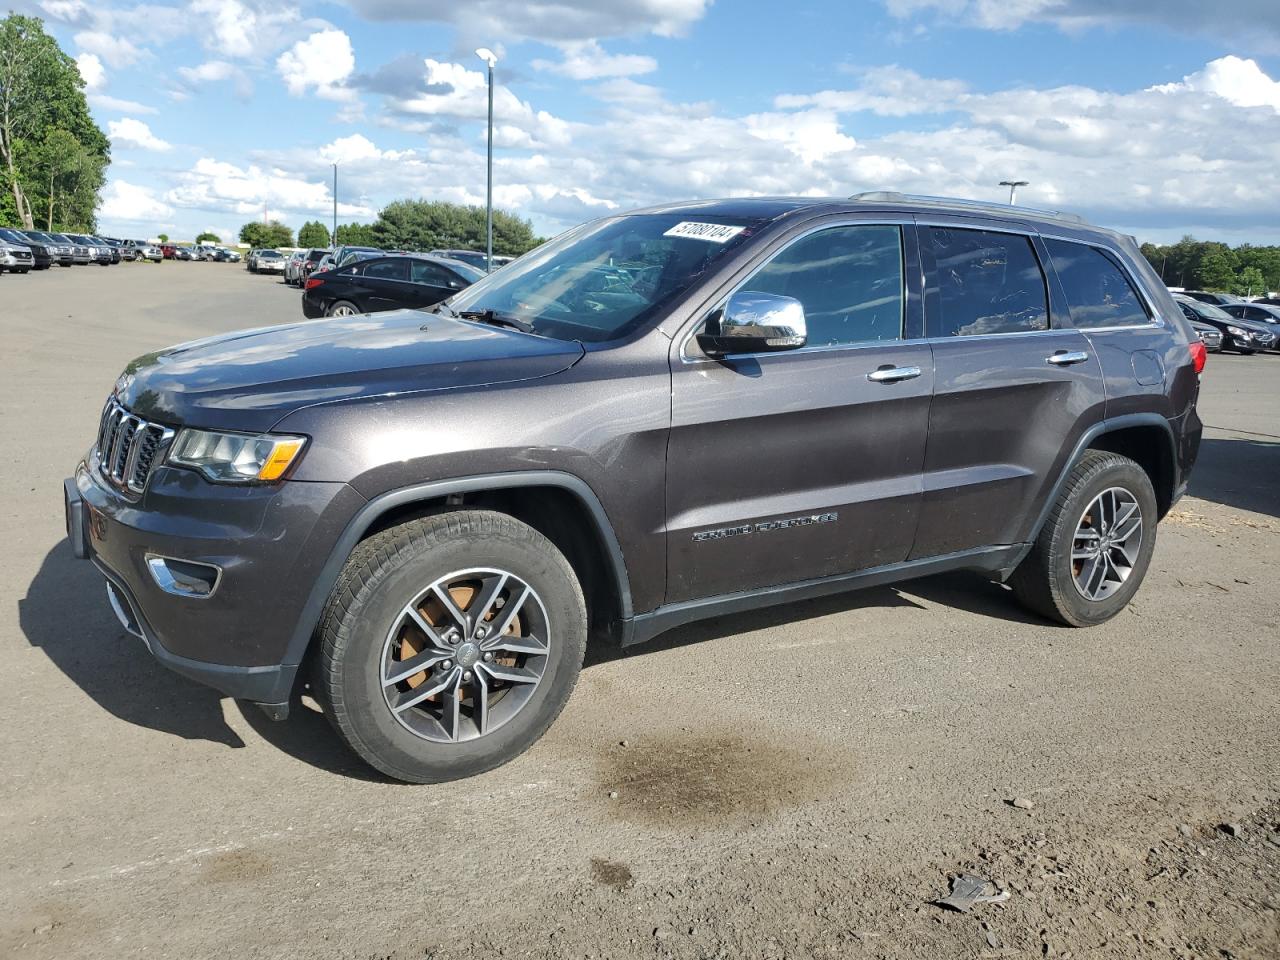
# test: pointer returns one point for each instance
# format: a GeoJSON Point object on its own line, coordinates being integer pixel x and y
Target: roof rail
{"type": "Point", "coordinates": [893, 196]}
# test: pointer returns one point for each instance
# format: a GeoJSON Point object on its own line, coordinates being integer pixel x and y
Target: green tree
{"type": "Point", "coordinates": [423, 225]}
{"type": "Point", "coordinates": [53, 156]}
{"type": "Point", "coordinates": [1214, 272]}
{"type": "Point", "coordinates": [208, 237]}
{"type": "Point", "coordinates": [313, 234]}
{"type": "Point", "coordinates": [163, 237]}
{"type": "Point", "coordinates": [355, 234]}
{"type": "Point", "coordinates": [1251, 282]}
{"type": "Point", "coordinates": [273, 234]}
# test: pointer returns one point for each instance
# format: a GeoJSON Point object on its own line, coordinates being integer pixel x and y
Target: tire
{"type": "Point", "coordinates": [367, 610]}
{"type": "Point", "coordinates": [342, 308]}
{"type": "Point", "coordinates": [1046, 580]}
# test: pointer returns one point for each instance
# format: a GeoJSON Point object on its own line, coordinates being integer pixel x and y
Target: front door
{"type": "Point", "coordinates": [786, 467]}
{"type": "Point", "coordinates": [1014, 390]}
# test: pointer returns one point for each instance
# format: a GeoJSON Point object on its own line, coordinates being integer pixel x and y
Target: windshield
{"type": "Point", "coordinates": [13, 236]}
{"type": "Point", "coordinates": [1210, 310]}
{"type": "Point", "coordinates": [269, 255]}
{"type": "Point", "coordinates": [603, 280]}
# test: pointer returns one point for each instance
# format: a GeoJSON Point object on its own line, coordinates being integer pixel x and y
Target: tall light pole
{"type": "Point", "coordinates": [1013, 186]}
{"type": "Point", "coordinates": [489, 57]}
{"type": "Point", "coordinates": [334, 238]}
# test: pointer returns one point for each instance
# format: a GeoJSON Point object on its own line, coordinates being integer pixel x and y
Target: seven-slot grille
{"type": "Point", "coordinates": [128, 447]}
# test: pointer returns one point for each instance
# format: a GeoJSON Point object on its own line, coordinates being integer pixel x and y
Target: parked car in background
{"type": "Point", "coordinates": [270, 261]}
{"type": "Point", "coordinates": [293, 267]}
{"type": "Point", "coordinates": [80, 253]}
{"type": "Point", "coordinates": [314, 256]}
{"type": "Point", "coordinates": [113, 246]}
{"type": "Point", "coordinates": [1258, 313]}
{"type": "Point", "coordinates": [169, 250]}
{"type": "Point", "coordinates": [476, 258]}
{"type": "Point", "coordinates": [1209, 335]}
{"type": "Point", "coordinates": [223, 255]}
{"type": "Point", "coordinates": [385, 283]}
{"type": "Point", "coordinates": [1242, 336]}
{"type": "Point", "coordinates": [41, 257]}
{"type": "Point", "coordinates": [1272, 301]}
{"type": "Point", "coordinates": [61, 250]}
{"type": "Point", "coordinates": [1205, 296]}
{"type": "Point", "coordinates": [323, 265]}
{"type": "Point", "coordinates": [99, 251]}
{"type": "Point", "coordinates": [16, 257]}
{"type": "Point", "coordinates": [141, 250]}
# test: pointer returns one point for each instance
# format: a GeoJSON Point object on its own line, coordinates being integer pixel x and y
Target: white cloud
{"type": "Point", "coordinates": [211, 71]}
{"type": "Point", "coordinates": [1240, 82]}
{"type": "Point", "coordinates": [92, 71]}
{"type": "Point", "coordinates": [104, 102]}
{"type": "Point", "coordinates": [134, 133]}
{"type": "Point", "coordinates": [116, 51]}
{"type": "Point", "coordinates": [890, 91]}
{"type": "Point", "coordinates": [550, 20]}
{"type": "Point", "coordinates": [452, 90]}
{"type": "Point", "coordinates": [125, 201]}
{"type": "Point", "coordinates": [219, 186]}
{"type": "Point", "coordinates": [323, 62]}
{"type": "Point", "coordinates": [587, 60]}
{"type": "Point", "coordinates": [243, 30]}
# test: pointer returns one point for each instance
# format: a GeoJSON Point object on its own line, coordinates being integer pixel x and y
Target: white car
{"type": "Point", "coordinates": [270, 261]}
{"type": "Point", "coordinates": [15, 257]}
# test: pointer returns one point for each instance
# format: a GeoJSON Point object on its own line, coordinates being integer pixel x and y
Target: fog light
{"type": "Point", "coordinates": [184, 578]}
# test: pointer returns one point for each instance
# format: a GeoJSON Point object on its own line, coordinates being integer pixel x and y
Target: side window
{"type": "Point", "coordinates": [849, 280]}
{"type": "Point", "coordinates": [386, 270]}
{"type": "Point", "coordinates": [424, 271]}
{"type": "Point", "coordinates": [1098, 292]}
{"type": "Point", "coordinates": [986, 282]}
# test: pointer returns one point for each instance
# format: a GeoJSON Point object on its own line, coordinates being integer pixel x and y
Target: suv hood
{"type": "Point", "coordinates": [250, 379]}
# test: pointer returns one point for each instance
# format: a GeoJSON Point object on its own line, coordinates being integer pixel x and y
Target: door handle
{"type": "Point", "coordinates": [893, 374]}
{"type": "Point", "coordinates": [1067, 357]}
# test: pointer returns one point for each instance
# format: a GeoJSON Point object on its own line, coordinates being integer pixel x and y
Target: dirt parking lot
{"type": "Point", "coordinates": [797, 782]}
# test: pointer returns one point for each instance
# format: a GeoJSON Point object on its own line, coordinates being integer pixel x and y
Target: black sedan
{"type": "Point", "coordinates": [1258, 313]}
{"type": "Point", "coordinates": [385, 283]}
{"type": "Point", "coordinates": [1243, 336]}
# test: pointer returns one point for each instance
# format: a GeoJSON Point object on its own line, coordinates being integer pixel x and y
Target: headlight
{"type": "Point", "coordinates": [236, 457]}
{"type": "Point", "coordinates": [1236, 332]}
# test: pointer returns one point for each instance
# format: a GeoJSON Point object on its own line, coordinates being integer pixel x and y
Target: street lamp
{"type": "Point", "coordinates": [334, 238]}
{"type": "Point", "coordinates": [1013, 186]}
{"type": "Point", "coordinates": [489, 57]}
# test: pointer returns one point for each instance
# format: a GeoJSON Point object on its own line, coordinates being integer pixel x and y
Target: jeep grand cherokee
{"type": "Point", "coordinates": [660, 416]}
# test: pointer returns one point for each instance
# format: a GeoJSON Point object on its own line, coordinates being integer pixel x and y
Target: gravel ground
{"type": "Point", "coordinates": [797, 782]}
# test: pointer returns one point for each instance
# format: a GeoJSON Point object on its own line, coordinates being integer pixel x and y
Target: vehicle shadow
{"type": "Point", "coordinates": [1239, 473]}
{"type": "Point", "coordinates": [66, 614]}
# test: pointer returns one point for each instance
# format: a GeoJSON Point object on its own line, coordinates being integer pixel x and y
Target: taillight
{"type": "Point", "coordinates": [1199, 355]}
{"type": "Point", "coordinates": [313, 282]}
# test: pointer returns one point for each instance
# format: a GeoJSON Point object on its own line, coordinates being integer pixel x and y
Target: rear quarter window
{"type": "Point", "coordinates": [1098, 292]}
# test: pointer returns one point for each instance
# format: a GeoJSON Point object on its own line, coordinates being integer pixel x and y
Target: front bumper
{"type": "Point", "coordinates": [269, 542]}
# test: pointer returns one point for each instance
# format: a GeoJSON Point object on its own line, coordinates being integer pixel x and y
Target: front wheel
{"type": "Point", "coordinates": [1095, 547]}
{"type": "Point", "coordinates": [450, 644]}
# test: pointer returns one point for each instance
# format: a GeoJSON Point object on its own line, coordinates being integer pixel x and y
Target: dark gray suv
{"type": "Point", "coordinates": [657, 417]}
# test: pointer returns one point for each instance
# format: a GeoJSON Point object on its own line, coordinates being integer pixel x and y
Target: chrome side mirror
{"type": "Point", "coordinates": [753, 322]}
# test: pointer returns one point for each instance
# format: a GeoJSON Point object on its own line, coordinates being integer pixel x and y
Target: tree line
{"type": "Point", "coordinates": [1207, 265]}
{"type": "Point", "coordinates": [407, 225]}
{"type": "Point", "coordinates": [53, 157]}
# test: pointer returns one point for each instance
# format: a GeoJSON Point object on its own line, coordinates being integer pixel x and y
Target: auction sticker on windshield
{"type": "Point", "coordinates": [713, 232]}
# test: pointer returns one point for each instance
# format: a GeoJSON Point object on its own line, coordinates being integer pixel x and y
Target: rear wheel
{"type": "Point", "coordinates": [342, 308]}
{"type": "Point", "coordinates": [1095, 547]}
{"type": "Point", "coordinates": [450, 644]}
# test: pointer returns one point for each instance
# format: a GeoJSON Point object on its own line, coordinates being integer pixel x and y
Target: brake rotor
{"type": "Point", "coordinates": [413, 642]}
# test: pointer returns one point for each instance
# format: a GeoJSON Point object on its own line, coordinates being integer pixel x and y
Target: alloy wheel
{"type": "Point", "coordinates": [1107, 541]}
{"type": "Point", "coordinates": [465, 655]}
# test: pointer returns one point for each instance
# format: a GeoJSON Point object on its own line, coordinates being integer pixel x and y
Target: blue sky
{"type": "Point", "coordinates": [1156, 117]}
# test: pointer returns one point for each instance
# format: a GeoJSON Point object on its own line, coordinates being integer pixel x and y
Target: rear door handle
{"type": "Point", "coordinates": [893, 374]}
{"type": "Point", "coordinates": [1066, 358]}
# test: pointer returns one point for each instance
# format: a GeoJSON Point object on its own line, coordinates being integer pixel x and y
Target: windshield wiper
{"type": "Point", "coordinates": [497, 319]}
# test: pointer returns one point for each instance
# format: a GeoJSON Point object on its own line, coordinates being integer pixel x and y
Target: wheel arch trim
{"type": "Point", "coordinates": [1099, 429]}
{"type": "Point", "coordinates": [374, 509]}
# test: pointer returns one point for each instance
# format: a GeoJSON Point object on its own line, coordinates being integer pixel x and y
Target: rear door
{"type": "Point", "coordinates": [792, 466]}
{"type": "Point", "coordinates": [383, 283]}
{"type": "Point", "coordinates": [1015, 386]}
